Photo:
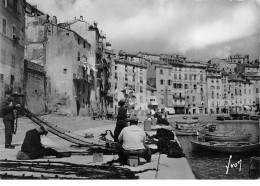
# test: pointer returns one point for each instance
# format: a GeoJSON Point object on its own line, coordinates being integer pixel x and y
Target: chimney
{"type": "Point", "coordinates": [54, 20]}
{"type": "Point", "coordinates": [81, 18]}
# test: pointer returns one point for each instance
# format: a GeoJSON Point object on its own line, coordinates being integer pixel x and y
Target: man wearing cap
{"type": "Point", "coordinates": [121, 119]}
{"type": "Point", "coordinates": [133, 140]}
{"type": "Point", "coordinates": [8, 107]}
{"type": "Point", "coordinates": [33, 148]}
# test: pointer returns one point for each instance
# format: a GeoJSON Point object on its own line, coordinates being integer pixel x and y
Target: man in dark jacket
{"type": "Point", "coordinates": [121, 119]}
{"type": "Point", "coordinates": [8, 118]}
{"type": "Point", "coordinates": [33, 147]}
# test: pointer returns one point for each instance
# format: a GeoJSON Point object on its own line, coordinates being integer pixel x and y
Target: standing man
{"type": "Point", "coordinates": [133, 140]}
{"type": "Point", "coordinates": [121, 119]}
{"type": "Point", "coordinates": [32, 147]}
{"type": "Point", "coordinates": [8, 118]}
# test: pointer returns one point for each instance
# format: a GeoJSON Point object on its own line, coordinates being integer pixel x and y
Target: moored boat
{"type": "Point", "coordinates": [231, 137]}
{"type": "Point", "coordinates": [186, 132]}
{"type": "Point", "coordinates": [225, 147]}
{"type": "Point", "coordinates": [189, 126]}
{"type": "Point", "coordinates": [187, 122]}
{"type": "Point", "coordinates": [188, 129]}
{"type": "Point", "coordinates": [217, 133]}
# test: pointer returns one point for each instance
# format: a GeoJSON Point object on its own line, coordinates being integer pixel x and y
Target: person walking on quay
{"type": "Point", "coordinates": [32, 147]}
{"type": "Point", "coordinates": [121, 119]}
{"type": "Point", "coordinates": [133, 140]}
{"type": "Point", "coordinates": [8, 118]}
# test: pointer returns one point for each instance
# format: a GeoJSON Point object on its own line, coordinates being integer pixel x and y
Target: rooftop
{"type": "Point", "coordinates": [157, 62]}
{"type": "Point", "coordinates": [125, 62]}
{"type": "Point", "coordinates": [163, 66]}
{"type": "Point", "coordinates": [128, 54]}
{"type": "Point", "coordinates": [150, 54]}
{"type": "Point", "coordinates": [238, 56]}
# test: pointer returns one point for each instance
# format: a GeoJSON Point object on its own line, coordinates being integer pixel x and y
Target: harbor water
{"type": "Point", "coordinates": [212, 165]}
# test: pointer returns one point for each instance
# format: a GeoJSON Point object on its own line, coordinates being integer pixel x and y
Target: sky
{"type": "Point", "coordinates": [198, 29]}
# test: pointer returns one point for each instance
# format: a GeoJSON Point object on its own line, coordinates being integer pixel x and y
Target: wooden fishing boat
{"type": "Point", "coordinates": [188, 126]}
{"type": "Point", "coordinates": [217, 133]}
{"type": "Point", "coordinates": [186, 122]}
{"type": "Point", "coordinates": [186, 132]}
{"type": "Point", "coordinates": [225, 147]}
{"type": "Point", "coordinates": [188, 129]}
{"type": "Point", "coordinates": [231, 137]}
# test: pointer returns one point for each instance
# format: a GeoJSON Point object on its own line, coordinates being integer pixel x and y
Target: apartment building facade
{"type": "Point", "coordinates": [12, 38]}
{"type": "Point", "coordinates": [109, 56]}
{"type": "Point", "coordinates": [96, 59]}
{"type": "Point", "coordinates": [129, 82]}
{"type": "Point", "coordinates": [63, 53]}
{"type": "Point", "coordinates": [241, 91]}
{"type": "Point", "coordinates": [66, 67]}
{"type": "Point", "coordinates": [254, 78]}
{"type": "Point", "coordinates": [182, 86]}
{"type": "Point", "coordinates": [214, 91]}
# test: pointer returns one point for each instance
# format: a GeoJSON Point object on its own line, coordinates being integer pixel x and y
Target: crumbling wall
{"type": "Point", "coordinates": [59, 104]}
{"type": "Point", "coordinates": [34, 85]}
{"type": "Point", "coordinates": [36, 38]}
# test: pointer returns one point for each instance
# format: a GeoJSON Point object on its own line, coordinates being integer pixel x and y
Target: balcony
{"type": "Point", "coordinates": [80, 78]}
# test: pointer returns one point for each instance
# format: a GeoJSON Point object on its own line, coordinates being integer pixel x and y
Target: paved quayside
{"type": "Point", "coordinates": [160, 167]}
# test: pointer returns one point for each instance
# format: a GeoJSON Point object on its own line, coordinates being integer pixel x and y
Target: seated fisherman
{"type": "Point", "coordinates": [132, 141]}
{"type": "Point", "coordinates": [32, 147]}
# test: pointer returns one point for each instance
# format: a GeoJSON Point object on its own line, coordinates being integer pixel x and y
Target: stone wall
{"type": "Point", "coordinates": [35, 83]}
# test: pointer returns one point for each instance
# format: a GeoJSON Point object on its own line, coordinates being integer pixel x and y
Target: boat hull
{"type": "Point", "coordinates": [185, 133]}
{"type": "Point", "coordinates": [228, 138]}
{"type": "Point", "coordinates": [196, 146]}
{"type": "Point", "coordinates": [217, 133]}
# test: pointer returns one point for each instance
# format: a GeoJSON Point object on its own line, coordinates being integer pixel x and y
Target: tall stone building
{"type": "Point", "coordinates": [68, 74]}
{"type": "Point", "coordinates": [241, 91]}
{"type": "Point", "coordinates": [214, 90]}
{"type": "Point", "coordinates": [109, 56]}
{"type": "Point", "coordinates": [182, 86]}
{"type": "Point", "coordinates": [12, 29]}
{"type": "Point", "coordinates": [255, 79]}
{"type": "Point", "coordinates": [64, 55]}
{"type": "Point", "coordinates": [129, 82]}
{"type": "Point", "coordinates": [96, 60]}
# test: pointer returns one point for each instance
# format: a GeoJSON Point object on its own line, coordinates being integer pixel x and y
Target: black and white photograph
{"type": "Point", "coordinates": [130, 90]}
